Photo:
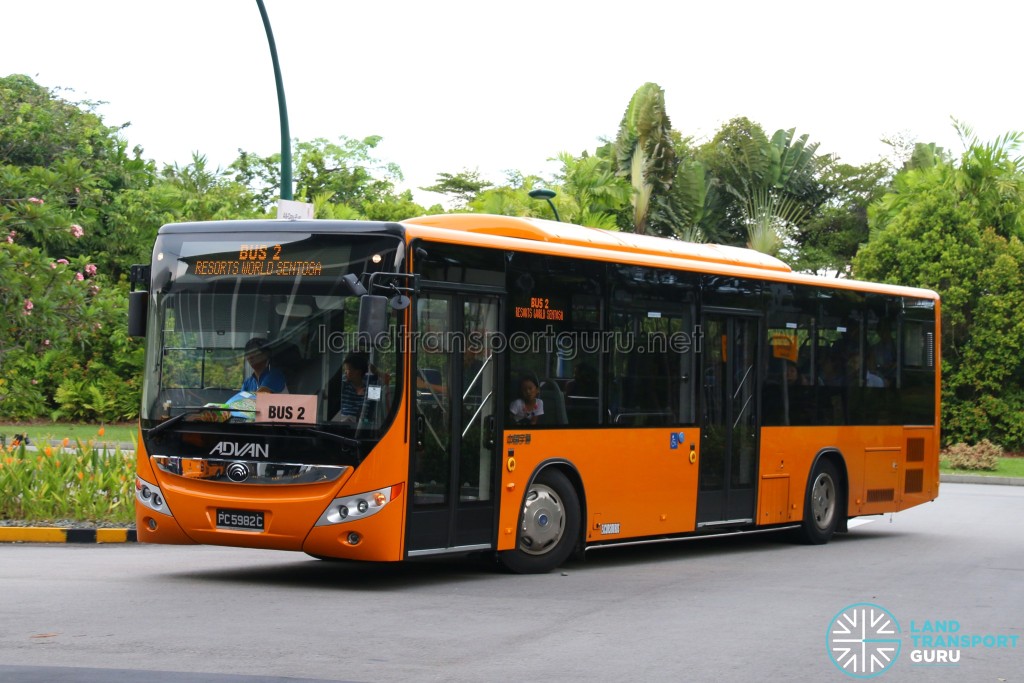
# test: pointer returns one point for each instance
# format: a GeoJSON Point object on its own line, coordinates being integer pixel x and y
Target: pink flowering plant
{"type": "Point", "coordinates": [62, 351]}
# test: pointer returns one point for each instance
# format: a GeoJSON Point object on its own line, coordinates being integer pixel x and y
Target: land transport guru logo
{"type": "Point", "coordinates": [864, 640]}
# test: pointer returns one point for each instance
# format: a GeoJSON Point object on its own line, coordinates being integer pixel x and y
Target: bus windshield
{"type": "Point", "coordinates": [259, 332]}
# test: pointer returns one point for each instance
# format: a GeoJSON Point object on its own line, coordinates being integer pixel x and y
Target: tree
{"type": "Point", "coordinates": [955, 228]}
{"type": "Point", "coordinates": [512, 198]}
{"type": "Point", "coordinates": [68, 230]}
{"type": "Point", "coordinates": [589, 191]}
{"type": "Point", "coordinates": [62, 155]}
{"type": "Point", "coordinates": [52, 308]}
{"type": "Point", "coordinates": [197, 193]}
{"type": "Point", "coordinates": [645, 154]}
{"type": "Point", "coordinates": [342, 173]}
{"type": "Point", "coordinates": [761, 188]}
{"type": "Point", "coordinates": [826, 242]}
{"type": "Point", "coordinates": [463, 186]}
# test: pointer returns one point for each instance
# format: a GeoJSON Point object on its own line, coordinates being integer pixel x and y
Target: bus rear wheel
{"type": "Point", "coordinates": [549, 526]}
{"type": "Point", "coordinates": [822, 505]}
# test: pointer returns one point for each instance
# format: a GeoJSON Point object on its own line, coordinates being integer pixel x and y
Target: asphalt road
{"type": "Point", "coordinates": [735, 609]}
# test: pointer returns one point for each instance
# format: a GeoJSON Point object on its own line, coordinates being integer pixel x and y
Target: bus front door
{"type": "Point", "coordinates": [455, 402]}
{"type": "Point", "coordinates": [728, 450]}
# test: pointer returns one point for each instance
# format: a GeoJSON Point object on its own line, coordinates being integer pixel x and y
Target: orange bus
{"type": "Point", "coordinates": [527, 388]}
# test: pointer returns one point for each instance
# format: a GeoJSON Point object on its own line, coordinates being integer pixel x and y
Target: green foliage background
{"type": "Point", "coordinates": [77, 208]}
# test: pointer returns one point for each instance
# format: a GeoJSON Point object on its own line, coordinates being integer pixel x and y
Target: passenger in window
{"type": "Point", "coordinates": [264, 378]}
{"type": "Point", "coordinates": [872, 376]}
{"type": "Point", "coordinates": [583, 382]}
{"type": "Point", "coordinates": [853, 372]}
{"type": "Point", "coordinates": [353, 387]}
{"type": "Point", "coordinates": [793, 375]}
{"type": "Point", "coordinates": [831, 374]}
{"type": "Point", "coordinates": [528, 408]}
{"type": "Point", "coordinates": [885, 354]}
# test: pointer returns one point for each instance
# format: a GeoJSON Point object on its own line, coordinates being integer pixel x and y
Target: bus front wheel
{"type": "Point", "coordinates": [822, 506]}
{"type": "Point", "coordinates": [549, 526]}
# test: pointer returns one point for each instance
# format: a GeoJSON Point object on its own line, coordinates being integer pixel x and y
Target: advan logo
{"type": "Point", "coordinates": [231, 449]}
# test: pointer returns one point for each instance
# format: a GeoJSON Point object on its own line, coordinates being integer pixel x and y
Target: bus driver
{"type": "Point", "coordinates": [264, 378]}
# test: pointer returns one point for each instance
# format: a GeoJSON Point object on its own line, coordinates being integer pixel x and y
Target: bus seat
{"type": "Point", "coordinates": [307, 378]}
{"type": "Point", "coordinates": [554, 403]}
{"type": "Point", "coordinates": [287, 359]}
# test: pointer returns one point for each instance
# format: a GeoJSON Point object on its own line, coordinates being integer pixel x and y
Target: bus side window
{"type": "Point", "coordinates": [582, 395]}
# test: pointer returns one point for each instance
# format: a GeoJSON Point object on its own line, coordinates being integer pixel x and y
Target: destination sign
{"type": "Point", "coordinates": [540, 309]}
{"type": "Point", "coordinates": [256, 260]}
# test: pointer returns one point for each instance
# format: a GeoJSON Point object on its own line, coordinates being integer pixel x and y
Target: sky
{"type": "Point", "coordinates": [491, 87]}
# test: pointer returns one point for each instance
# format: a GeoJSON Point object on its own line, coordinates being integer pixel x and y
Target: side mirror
{"type": "Point", "coordinates": [373, 318]}
{"type": "Point", "coordinates": [138, 307]}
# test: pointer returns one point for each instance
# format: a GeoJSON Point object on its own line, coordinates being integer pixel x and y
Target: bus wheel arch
{"type": "Point", "coordinates": [550, 524]}
{"type": "Point", "coordinates": [826, 498]}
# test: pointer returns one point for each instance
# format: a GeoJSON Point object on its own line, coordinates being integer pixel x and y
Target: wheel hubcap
{"type": "Point", "coordinates": [543, 521]}
{"type": "Point", "coordinates": [823, 501]}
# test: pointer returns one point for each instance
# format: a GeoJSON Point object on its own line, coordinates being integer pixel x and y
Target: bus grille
{"type": "Point", "coordinates": [881, 495]}
{"type": "Point", "coordinates": [914, 482]}
{"type": "Point", "coordinates": [915, 450]}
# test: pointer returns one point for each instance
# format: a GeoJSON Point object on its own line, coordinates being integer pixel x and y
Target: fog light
{"type": "Point", "coordinates": [343, 511]}
{"type": "Point", "coordinates": [151, 523]}
{"type": "Point", "coordinates": [362, 506]}
{"type": "Point", "coordinates": [354, 538]}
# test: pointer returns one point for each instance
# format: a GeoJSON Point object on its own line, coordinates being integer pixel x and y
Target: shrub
{"type": "Point", "coordinates": [982, 456]}
{"type": "Point", "coordinates": [80, 482]}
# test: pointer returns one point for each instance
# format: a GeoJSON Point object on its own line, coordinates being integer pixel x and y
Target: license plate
{"type": "Point", "coordinates": [244, 520]}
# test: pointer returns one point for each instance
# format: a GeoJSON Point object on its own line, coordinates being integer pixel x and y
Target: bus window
{"type": "Point", "coordinates": [555, 314]}
{"type": "Point", "coordinates": [652, 353]}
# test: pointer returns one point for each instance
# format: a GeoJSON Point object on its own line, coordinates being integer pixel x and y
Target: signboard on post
{"type": "Point", "coordinates": [287, 210]}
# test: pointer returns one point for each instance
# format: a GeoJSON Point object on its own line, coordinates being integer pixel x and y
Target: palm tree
{"type": "Point", "coordinates": [991, 179]}
{"type": "Point", "coordinates": [769, 216]}
{"type": "Point", "coordinates": [594, 189]}
{"type": "Point", "coordinates": [770, 206]}
{"type": "Point", "coordinates": [644, 152]}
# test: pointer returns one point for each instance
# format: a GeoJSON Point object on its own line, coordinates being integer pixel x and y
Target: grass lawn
{"type": "Point", "coordinates": [38, 431]}
{"type": "Point", "coordinates": [1007, 467]}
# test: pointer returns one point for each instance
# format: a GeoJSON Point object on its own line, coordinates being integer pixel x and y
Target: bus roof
{"type": "Point", "coordinates": [644, 248]}
{"type": "Point", "coordinates": [567, 233]}
{"type": "Point", "coordinates": [586, 242]}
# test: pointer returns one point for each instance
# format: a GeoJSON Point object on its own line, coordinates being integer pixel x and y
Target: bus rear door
{"type": "Point", "coordinates": [729, 428]}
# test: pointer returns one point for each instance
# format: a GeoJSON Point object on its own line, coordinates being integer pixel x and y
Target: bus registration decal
{"type": "Point", "coordinates": [609, 529]}
{"type": "Point", "coordinates": [295, 408]}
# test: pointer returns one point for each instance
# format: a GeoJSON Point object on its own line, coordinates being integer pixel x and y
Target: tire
{"type": "Point", "coordinates": [821, 505]}
{"type": "Point", "coordinates": [549, 526]}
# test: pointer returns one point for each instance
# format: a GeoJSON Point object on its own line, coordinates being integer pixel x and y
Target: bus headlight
{"type": "Point", "coordinates": [359, 506]}
{"type": "Point", "coordinates": [151, 496]}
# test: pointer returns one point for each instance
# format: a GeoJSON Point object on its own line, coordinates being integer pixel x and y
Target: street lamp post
{"type": "Point", "coordinates": [286, 143]}
{"type": "Point", "coordinates": [547, 195]}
